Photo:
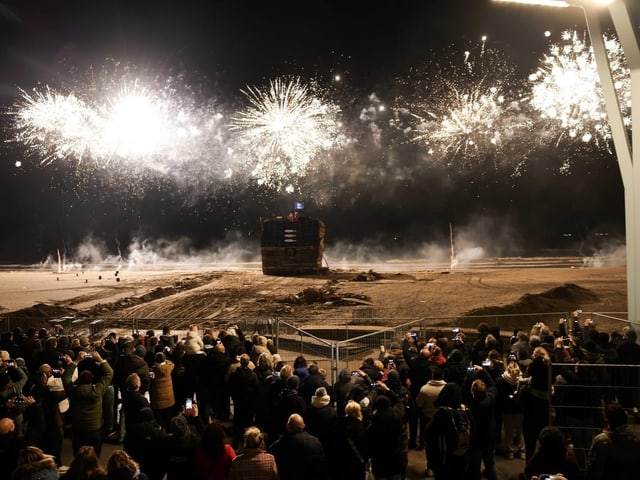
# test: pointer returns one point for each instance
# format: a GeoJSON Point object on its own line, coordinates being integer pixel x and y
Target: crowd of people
{"type": "Point", "coordinates": [222, 405]}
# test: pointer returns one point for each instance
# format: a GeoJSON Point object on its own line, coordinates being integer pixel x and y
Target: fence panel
{"type": "Point", "coordinates": [580, 394]}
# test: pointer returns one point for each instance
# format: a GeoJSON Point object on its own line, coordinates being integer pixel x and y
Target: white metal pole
{"type": "Point", "coordinates": [629, 41]}
{"type": "Point", "coordinates": [623, 150]}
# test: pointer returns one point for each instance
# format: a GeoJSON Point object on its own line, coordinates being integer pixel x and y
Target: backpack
{"type": "Point", "coordinates": [461, 430]}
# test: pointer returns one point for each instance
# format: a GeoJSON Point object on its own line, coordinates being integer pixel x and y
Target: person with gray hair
{"type": "Point", "coordinates": [255, 463]}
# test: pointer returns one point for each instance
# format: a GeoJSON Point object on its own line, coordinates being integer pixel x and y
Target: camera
{"type": "Point", "coordinates": [549, 476]}
{"type": "Point", "coordinates": [430, 345]}
{"type": "Point", "coordinates": [513, 357]}
{"type": "Point", "coordinates": [374, 384]}
{"type": "Point", "coordinates": [566, 341]}
{"type": "Point", "coordinates": [152, 375]}
{"type": "Point", "coordinates": [391, 362]}
{"type": "Point", "coordinates": [414, 334]}
{"type": "Point", "coordinates": [471, 369]}
{"type": "Point", "coordinates": [11, 363]}
{"type": "Point", "coordinates": [455, 330]}
{"type": "Point", "coordinates": [486, 363]}
{"type": "Point", "coordinates": [188, 404]}
{"type": "Point", "coordinates": [354, 373]}
{"type": "Point", "coordinates": [88, 355]}
{"type": "Point", "coordinates": [56, 372]}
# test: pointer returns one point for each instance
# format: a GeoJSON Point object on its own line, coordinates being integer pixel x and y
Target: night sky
{"type": "Point", "coordinates": [382, 196]}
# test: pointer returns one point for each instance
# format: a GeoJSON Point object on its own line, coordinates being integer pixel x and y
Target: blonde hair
{"type": "Point", "coordinates": [353, 409]}
{"type": "Point", "coordinates": [541, 352]}
{"type": "Point", "coordinates": [513, 369]}
{"type": "Point", "coordinates": [286, 371]}
{"type": "Point", "coordinates": [253, 437]}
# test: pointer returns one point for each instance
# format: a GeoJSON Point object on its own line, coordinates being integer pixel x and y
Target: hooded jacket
{"type": "Point", "coordinates": [86, 399]}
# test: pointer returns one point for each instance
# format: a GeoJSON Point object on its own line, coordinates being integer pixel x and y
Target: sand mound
{"type": "Point", "coordinates": [565, 298]}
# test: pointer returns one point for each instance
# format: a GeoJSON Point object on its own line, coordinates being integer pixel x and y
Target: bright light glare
{"type": "Point", "coordinates": [542, 3]}
{"type": "Point", "coordinates": [558, 3]}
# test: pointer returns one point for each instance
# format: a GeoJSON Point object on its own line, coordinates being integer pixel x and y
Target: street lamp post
{"type": "Point", "coordinates": [628, 153]}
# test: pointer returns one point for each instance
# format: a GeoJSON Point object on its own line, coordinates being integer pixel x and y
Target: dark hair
{"type": "Point", "coordinates": [552, 445]}
{"type": "Point", "coordinates": [212, 440]}
{"type": "Point", "coordinates": [615, 415]}
{"type": "Point", "coordinates": [85, 462]}
{"type": "Point", "coordinates": [121, 465]}
{"type": "Point", "coordinates": [299, 362]}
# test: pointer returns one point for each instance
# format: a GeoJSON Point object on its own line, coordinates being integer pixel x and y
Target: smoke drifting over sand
{"type": "Point", "coordinates": [482, 242]}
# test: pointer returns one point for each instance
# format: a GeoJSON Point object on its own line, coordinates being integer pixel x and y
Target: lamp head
{"type": "Point", "coordinates": [560, 3]}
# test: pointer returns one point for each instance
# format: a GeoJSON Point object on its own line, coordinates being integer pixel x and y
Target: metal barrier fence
{"type": "Point", "coordinates": [580, 394]}
{"type": "Point", "coordinates": [334, 344]}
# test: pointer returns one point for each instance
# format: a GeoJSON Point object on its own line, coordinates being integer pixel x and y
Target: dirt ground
{"type": "Point", "coordinates": [387, 298]}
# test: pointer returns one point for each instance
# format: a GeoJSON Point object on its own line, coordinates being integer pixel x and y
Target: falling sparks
{"type": "Point", "coordinates": [285, 127]}
{"type": "Point", "coordinates": [463, 111]}
{"type": "Point", "coordinates": [566, 88]}
{"type": "Point", "coordinates": [55, 125]}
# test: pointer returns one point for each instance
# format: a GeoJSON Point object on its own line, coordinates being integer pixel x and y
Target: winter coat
{"type": "Point", "coordinates": [349, 451]}
{"type": "Point", "coordinates": [614, 451]}
{"type": "Point", "coordinates": [86, 399]}
{"type": "Point", "coordinates": [508, 394]}
{"type": "Point", "coordinates": [320, 422]}
{"type": "Point", "coordinates": [144, 443]}
{"type": "Point", "coordinates": [161, 386]}
{"type": "Point", "coordinates": [299, 456]}
{"type": "Point", "coordinates": [194, 344]}
{"type": "Point", "coordinates": [385, 439]}
{"type": "Point", "coordinates": [179, 452]}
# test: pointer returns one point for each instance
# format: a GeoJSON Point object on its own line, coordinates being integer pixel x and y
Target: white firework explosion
{"type": "Point", "coordinates": [566, 88]}
{"type": "Point", "coordinates": [284, 128]}
{"type": "Point", "coordinates": [118, 122]}
{"type": "Point", "coordinates": [464, 111]}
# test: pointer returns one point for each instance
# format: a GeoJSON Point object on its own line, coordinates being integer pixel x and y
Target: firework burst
{"type": "Point", "coordinates": [284, 128]}
{"type": "Point", "coordinates": [117, 120]}
{"type": "Point", "coordinates": [566, 88]}
{"type": "Point", "coordinates": [463, 111]}
{"type": "Point", "coordinates": [55, 125]}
